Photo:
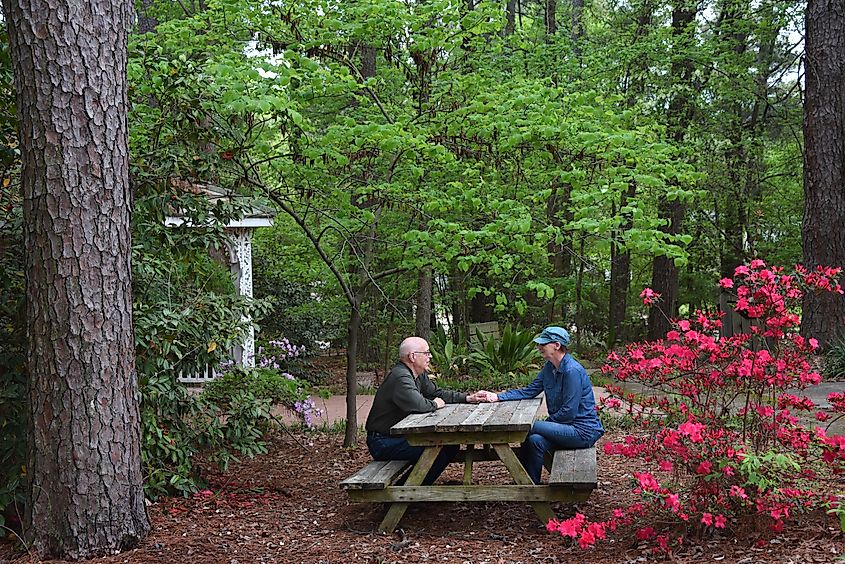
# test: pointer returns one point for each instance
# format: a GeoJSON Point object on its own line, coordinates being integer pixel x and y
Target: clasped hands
{"type": "Point", "coordinates": [482, 396]}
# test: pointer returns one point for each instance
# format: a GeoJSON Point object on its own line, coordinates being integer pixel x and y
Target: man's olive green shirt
{"type": "Point", "coordinates": [402, 394]}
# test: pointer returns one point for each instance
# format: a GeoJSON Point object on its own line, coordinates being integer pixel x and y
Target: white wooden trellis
{"type": "Point", "coordinates": [240, 265]}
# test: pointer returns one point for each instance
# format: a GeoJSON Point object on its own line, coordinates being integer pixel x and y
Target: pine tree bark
{"type": "Point", "coordinates": [824, 162]}
{"type": "Point", "coordinates": [85, 494]}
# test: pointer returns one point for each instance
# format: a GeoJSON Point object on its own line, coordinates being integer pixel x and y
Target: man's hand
{"type": "Point", "coordinates": [439, 402]}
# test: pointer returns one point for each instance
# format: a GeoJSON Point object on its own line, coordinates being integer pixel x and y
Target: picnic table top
{"type": "Point", "coordinates": [472, 418]}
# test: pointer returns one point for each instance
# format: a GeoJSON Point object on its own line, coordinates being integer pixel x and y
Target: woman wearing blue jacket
{"type": "Point", "coordinates": [572, 422]}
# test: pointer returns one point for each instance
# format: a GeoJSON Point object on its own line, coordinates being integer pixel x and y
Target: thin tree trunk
{"type": "Point", "coordinates": [424, 310]}
{"type": "Point", "coordinates": [620, 270]}
{"type": "Point", "coordinates": [664, 274]}
{"type": "Point", "coordinates": [577, 32]}
{"type": "Point", "coordinates": [579, 302]}
{"type": "Point", "coordinates": [510, 23]}
{"type": "Point", "coordinates": [824, 163]}
{"type": "Point", "coordinates": [550, 17]}
{"type": "Point", "coordinates": [353, 329]}
{"type": "Point", "coordinates": [85, 490]}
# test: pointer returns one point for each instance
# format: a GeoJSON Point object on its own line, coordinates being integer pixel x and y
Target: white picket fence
{"type": "Point", "coordinates": [206, 376]}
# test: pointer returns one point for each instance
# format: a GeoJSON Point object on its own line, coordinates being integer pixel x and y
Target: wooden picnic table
{"type": "Point", "coordinates": [495, 426]}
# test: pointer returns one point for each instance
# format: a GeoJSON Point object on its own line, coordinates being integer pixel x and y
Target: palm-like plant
{"type": "Point", "coordinates": [513, 353]}
{"type": "Point", "coordinates": [449, 360]}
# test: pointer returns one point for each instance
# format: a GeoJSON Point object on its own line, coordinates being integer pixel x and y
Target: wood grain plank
{"type": "Point", "coordinates": [455, 420]}
{"type": "Point", "coordinates": [471, 493]}
{"type": "Point", "coordinates": [376, 475]}
{"type": "Point", "coordinates": [525, 414]}
{"type": "Point", "coordinates": [501, 418]}
{"type": "Point", "coordinates": [475, 420]}
{"type": "Point", "coordinates": [574, 467]}
{"type": "Point", "coordinates": [422, 422]}
{"type": "Point", "coordinates": [458, 438]}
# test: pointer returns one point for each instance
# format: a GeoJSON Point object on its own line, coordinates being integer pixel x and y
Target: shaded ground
{"type": "Point", "coordinates": [286, 507]}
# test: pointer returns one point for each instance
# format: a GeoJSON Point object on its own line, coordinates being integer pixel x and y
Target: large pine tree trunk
{"type": "Point", "coordinates": [84, 461]}
{"type": "Point", "coordinates": [824, 162]}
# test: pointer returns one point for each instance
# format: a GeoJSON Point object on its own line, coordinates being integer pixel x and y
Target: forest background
{"type": "Point", "coordinates": [438, 164]}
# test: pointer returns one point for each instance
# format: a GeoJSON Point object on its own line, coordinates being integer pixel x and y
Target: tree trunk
{"type": "Point", "coordinates": [350, 438]}
{"type": "Point", "coordinates": [146, 22]}
{"type": "Point", "coordinates": [824, 162]}
{"type": "Point", "coordinates": [664, 274]}
{"type": "Point", "coordinates": [424, 309]}
{"type": "Point", "coordinates": [577, 32]}
{"type": "Point", "coordinates": [664, 279]}
{"type": "Point", "coordinates": [620, 270]}
{"type": "Point", "coordinates": [510, 15]}
{"type": "Point", "coordinates": [368, 61]}
{"type": "Point", "coordinates": [85, 494]}
{"type": "Point", "coordinates": [579, 288]}
{"type": "Point", "coordinates": [550, 17]}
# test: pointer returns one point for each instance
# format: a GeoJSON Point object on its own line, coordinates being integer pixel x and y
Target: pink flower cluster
{"type": "Point", "coordinates": [726, 436]}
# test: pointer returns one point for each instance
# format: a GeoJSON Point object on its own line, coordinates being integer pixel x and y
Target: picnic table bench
{"type": "Point", "coordinates": [494, 426]}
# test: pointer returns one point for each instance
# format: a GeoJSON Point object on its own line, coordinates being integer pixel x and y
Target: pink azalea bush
{"type": "Point", "coordinates": [731, 449]}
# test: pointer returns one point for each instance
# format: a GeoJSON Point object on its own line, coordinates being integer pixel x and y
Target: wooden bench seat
{"type": "Point", "coordinates": [574, 469]}
{"type": "Point", "coordinates": [376, 475]}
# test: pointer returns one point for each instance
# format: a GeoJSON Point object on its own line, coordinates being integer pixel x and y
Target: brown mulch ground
{"type": "Point", "coordinates": [286, 507]}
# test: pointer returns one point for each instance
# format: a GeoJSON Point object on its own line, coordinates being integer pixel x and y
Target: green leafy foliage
{"type": "Point", "coordinates": [178, 426]}
{"type": "Point", "coordinates": [487, 381]}
{"type": "Point", "coordinates": [838, 510]}
{"type": "Point", "coordinates": [514, 352]}
{"type": "Point", "coordinates": [834, 360]}
{"type": "Point", "coordinates": [265, 383]}
{"type": "Point", "coordinates": [13, 396]}
{"type": "Point", "coordinates": [449, 360]}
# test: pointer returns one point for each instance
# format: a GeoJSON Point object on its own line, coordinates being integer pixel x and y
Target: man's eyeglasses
{"type": "Point", "coordinates": [428, 353]}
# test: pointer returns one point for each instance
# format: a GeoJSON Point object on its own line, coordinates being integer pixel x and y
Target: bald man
{"type": "Point", "coordinates": [407, 389]}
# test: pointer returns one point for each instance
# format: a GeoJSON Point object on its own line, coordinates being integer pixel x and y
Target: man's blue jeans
{"type": "Point", "coordinates": [546, 436]}
{"type": "Point", "coordinates": [383, 447]}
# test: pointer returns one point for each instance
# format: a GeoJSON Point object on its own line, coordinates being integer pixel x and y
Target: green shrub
{"type": "Point", "coordinates": [13, 395]}
{"type": "Point", "coordinates": [265, 383]}
{"type": "Point", "coordinates": [490, 381]}
{"type": "Point", "coordinates": [178, 426]}
{"type": "Point", "coordinates": [228, 419]}
{"type": "Point", "coordinates": [448, 359]}
{"type": "Point", "coordinates": [515, 352]}
{"type": "Point", "coordinates": [834, 360]}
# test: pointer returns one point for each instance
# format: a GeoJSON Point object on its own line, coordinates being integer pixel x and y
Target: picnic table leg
{"type": "Point", "coordinates": [415, 478]}
{"type": "Point", "coordinates": [542, 508]}
{"type": "Point", "coordinates": [468, 465]}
